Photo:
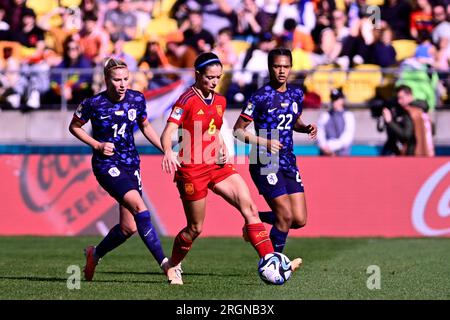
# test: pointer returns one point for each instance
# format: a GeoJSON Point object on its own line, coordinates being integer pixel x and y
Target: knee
{"type": "Point", "coordinates": [194, 230]}
{"type": "Point", "coordinates": [298, 223]}
{"type": "Point", "coordinates": [128, 231]}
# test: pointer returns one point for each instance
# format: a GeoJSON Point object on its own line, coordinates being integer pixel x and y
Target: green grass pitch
{"type": "Point", "coordinates": [225, 268]}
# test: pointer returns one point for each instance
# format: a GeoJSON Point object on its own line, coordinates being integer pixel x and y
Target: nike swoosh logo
{"type": "Point", "coordinates": [271, 110]}
{"type": "Point", "coordinates": [104, 117]}
{"type": "Point", "coordinates": [148, 232]}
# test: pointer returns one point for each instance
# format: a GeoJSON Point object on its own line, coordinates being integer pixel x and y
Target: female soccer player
{"type": "Point", "coordinates": [115, 161]}
{"type": "Point", "coordinates": [276, 110]}
{"type": "Point", "coordinates": [198, 113]}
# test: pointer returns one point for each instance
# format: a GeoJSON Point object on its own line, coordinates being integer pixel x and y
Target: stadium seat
{"type": "Point", "coordinates": [362, 83]}
{"type": "Point", "coordinates": [323, 79]}
{"type": "Point", "coordinates": [135, 48]}
{"type": "Point", "coordinates": [161, 26]}
{"type": "Point", "coordinates": [70, 3]}
{"type": "Point", "coordinates": [404, 48]}
{"type": "Point", "coordinates": [239, 46]}
{"type": "Point", "coordinates": [42, 7]}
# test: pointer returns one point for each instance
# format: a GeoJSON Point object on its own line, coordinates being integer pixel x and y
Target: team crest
{"type": "Point", "coordinates": [219, 110]}
{"type": "Point", "coordinates": [295, 107]}
{"type": "Point", "coordinates": [189, 188]}
{"type": "Point", "coordinates": [131, 114]}
{"type": "Point", "coordinates": [114, 172]}
{"type": "Point", "coordinates": [272, 179]}
{"type": "Point", "coordinates": [249, 110]}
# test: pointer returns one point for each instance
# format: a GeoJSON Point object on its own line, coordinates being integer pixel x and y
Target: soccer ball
{"type": "Point", "coordinates": [274, 268]}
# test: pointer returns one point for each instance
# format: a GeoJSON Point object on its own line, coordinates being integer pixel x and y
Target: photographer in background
{"type": "Point", "coordinates": [408, 126]}
{"type": "Point", "coordinates": [336, 127]}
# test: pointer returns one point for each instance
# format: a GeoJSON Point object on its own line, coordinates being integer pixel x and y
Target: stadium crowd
{"type": "Point", "coordinates": [51, 51]}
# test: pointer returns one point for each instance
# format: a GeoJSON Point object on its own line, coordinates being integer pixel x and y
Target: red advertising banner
{"type": "Point", "coordinates": [346, 197]}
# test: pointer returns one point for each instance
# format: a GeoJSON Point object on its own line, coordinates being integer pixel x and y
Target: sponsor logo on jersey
{"type": "Point", "coordinates": [295, 107]}
{"type": "Point", "coordinates": [249, 110]}
{"type": "Point", "coordinates": [189, 188]}
{"type": "Point", "coordinates": [114, 172]}
{"type": "Point", "coordinates": [176, 113]}
{"type": "Point", "coordinates": [131, 114]}
{"type": "Point", "coordinates": [272, 179]}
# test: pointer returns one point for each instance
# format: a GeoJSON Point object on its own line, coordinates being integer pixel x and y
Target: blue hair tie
{"type": "Point", "coordinates": [207, 62]}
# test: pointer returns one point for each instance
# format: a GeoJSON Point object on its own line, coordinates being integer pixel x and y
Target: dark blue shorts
{"type": "Point", "coordinates": [117, 181]}
{"type": "Point", "coordinates": [276, 184]}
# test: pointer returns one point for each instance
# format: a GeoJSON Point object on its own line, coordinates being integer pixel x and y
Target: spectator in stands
{"type": "Point", "coordinates": [195, 35]}
{"type": "Point", "coordinates": [15, 10]}
{"type": "Point", "coordinates": [94, 40]}
{"type": "Point", "coordinates": [5, 30]}
{"type": "Point", "coordinates": [89, 7]}
{"type": "Point", "coordinates": [339, 24]}
{"type": "Point", "coordinates": [59, 33]}
{"type": "Point", "coordinates": [119, 53]}
{"type": "Point", "coordinates": [302, 11]}
{"type": "Point", "coordinates": [29, 35]}
{"type": "Point", "coordinates": [10, 83]}
{"type": "Point", "coordinates": [397, 15]}
{"type": "Point", "coordinates": [425, 50]}
{"type": "Point", "coordinates": [251, 65]}
{"type": "Point", "coordinates": [441, 25]}
{"type": "Point", "coordinates": [336, 127]}
{"type": "Point", "coordinates": [248, 24]}
{"type": "Point", "coordinates": [409, 127]}
{"type": "Point", "coordinates": [224, 49]}
{"type": "Point", "coordinates": [296, 34]}
{"type": "Point", "coordinates": [154, 58]}
{"type": "Point", "coordinates": [121, 22]}
{"type": "Point", "coordinates": [178, 53]}
{"type": "Point", "coordinates": [383, 53]}
{"type": "Point", "coordinates": [356, 47]}
{"type": "Point", "coordinates": [217, 14]}
{"type": "Point", "coordinates": [421, 18]}
{"type": "Point", "coordinates": [73, 86]}
{"type": "Point", "coordinates": [329, 48]}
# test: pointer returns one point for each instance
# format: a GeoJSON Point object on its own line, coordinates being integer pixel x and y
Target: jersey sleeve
{"type": "Point", "coordinates": [249, 109]}
{"type": "Point", "coordinates": [142, 109]}
{"type": "Point", "coordinates": [178, 112]}
{"type": "Point", "coordinates": [83, 111]}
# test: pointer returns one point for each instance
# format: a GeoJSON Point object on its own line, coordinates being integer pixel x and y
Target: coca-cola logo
{"type": "Point", "coordinates": [430, 189]}
{"type": "Point", "coordinates": [52, 175]}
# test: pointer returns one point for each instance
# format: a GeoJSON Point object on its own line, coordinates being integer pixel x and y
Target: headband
{"type": "Point", "coordinates": [207, 62]}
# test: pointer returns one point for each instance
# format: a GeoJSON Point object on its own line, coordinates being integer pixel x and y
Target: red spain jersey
{"type": "Point", "coordinates": [200, 121]}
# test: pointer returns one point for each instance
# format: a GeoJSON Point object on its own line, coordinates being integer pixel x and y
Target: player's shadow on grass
{"type": "Point", "coordinates": [160, 273]}
{"type": "Point", "coordinates": [64, 280]}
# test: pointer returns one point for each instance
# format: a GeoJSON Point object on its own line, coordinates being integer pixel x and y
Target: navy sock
{"type": "Point", "coordinates": [278, 239]}
{"type": "Point", "coordinates": [113, 239]}
{"type": "Point", "coordinates": [267, 217]}
{"type": "Point", "coordinates": [148, 235]}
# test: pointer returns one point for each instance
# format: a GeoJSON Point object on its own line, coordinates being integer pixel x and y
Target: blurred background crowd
{"type": "Point", "coordinates": [51, 52]}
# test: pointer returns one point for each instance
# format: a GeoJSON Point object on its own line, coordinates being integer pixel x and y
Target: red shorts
{"type": "Point", "coordinates": [194, 180]}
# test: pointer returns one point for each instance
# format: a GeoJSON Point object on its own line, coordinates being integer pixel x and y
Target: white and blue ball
{"type": "Point", "coordinates": [274, 268]}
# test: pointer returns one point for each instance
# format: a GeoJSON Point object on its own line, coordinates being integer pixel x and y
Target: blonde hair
{"type": "Point", "coordinates": [112, 64]}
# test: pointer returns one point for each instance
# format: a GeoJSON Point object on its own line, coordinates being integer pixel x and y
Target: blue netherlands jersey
{"type": "Point", "coordinates": [274, 114]}
{"type": "Point", "coordinates": [114, 122]}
